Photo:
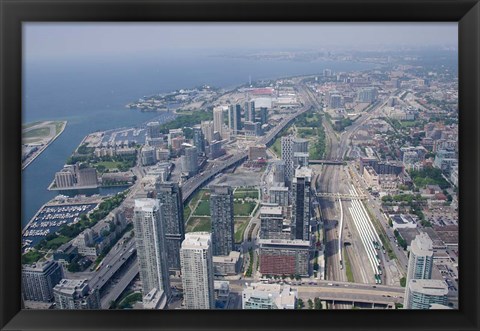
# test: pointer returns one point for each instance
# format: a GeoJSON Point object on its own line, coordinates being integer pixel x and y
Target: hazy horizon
{"type": "Point", "coordinates": [73, 40]}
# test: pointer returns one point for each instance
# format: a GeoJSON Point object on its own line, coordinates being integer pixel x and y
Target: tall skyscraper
{"type": "Point", "coordinates": [197, 271]}
{"type": "Point", "coordinates": [250, 111]}
{"type": "Point", "coordinates": [199, 139]}
{"type": "Point", "coordinates": [279, 172]}
{"type": "Point", "coordinates": [300, 159]}
{"type": "Point", "coordinates": [38, 280]}
{"type": "Point", "coordinates": [218, 120]}
{"type": "Point", "coordinates": [207, 129]}
{"type": "Point", "coordinates": [420, 262]}
{"type": "Point", "coordinates": [189, 161]}
{"type": "Point", "coordinates": [299, 145]}
{"type": "Point", "coordinates": [148, 222]}
{"type": "Point", "coordinates": [234, 118]}
{"type": "Point", "coordinates": [263, 115]}
{"type": "Point", "coordinates": [290, 146]}
{"type": "Point", "coordinates": [301, 204]}
{"type": "Point", "coordinates": [422, 293]}
{"type": "Point", "coordinates": [75, 294]}
{"type": "Point", "coordinates": [221, 211]}
{"type": "Point", "coordinates": [169, 196]}
{"type": "Point", "coordinates": [287, 157]}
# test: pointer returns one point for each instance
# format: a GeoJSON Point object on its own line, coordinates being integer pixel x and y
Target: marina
{"type": "Point", "coordinates": [51, 217]}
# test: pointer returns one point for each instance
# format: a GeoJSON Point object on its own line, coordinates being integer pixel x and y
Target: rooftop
{"type": "Point", "coordinates": [145, 204]}
{"type": "Point", "coordinates": [271, 210]}
{"type": "Point", "coordinates": [197, 240]}
{"type": "Point", "coordinates": [428, 286]}
{"type": "Point", "coordinates": [422, 245]}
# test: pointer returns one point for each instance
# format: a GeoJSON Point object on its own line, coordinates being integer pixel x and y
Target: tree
{"type": "Point", "coordinates": [310, 304]}
{"type": "Point", "coordinates": [318, 303]}
{"type": "Point", "coordinates": [403, 282]}
{"type": "Point", "coordinates": [74, 267]}
{"type": "Point", "coordinates": [300, 304]}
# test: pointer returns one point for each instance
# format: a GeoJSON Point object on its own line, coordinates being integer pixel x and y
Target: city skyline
{"type": "Point", "coordinates": [243, 171]}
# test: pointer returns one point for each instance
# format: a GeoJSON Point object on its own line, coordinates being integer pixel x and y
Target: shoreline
{"type": "Point", "coordinates": [40, 151]}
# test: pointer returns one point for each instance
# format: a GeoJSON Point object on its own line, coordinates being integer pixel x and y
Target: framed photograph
{"type": "Point", "coordinates": [191, 164]}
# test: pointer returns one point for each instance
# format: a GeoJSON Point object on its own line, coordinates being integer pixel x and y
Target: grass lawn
{"type": "Point", "coordinates": [243, 209]}
{"type": "Point", "coordinates": [58, 127]}
{"type": "Point", "coordinates": [240, 226]}
{"type": "Point", "coordinates": [199, 195]}
{"type": "Point", "coordinates": [203, 208]}
{"type": "Point", "coordinates": [31, 257]}
{"type": "Point", "coordinates": [408, 124]}
{"type": "Point", "coordinates": [246, 194]}
{"type": "Point", "coordinates": [39, 132]}
{"type": "Point", "coordinates": [306, 132]}
{"type": "Point", "coordinates": [130, 300]}
{"type": "Point", "coordinates": [108, 164]}
{"type": "Point", "coordinates": [197, 224]}
{"type": "Point", "coordinates": [277, 146]}
{"type": "Point", "coordinates": [348, 267]}
{"type": "Point", "coordinates": [56, 242]}
{"type": "Point", "coordinates": [186, 212]}
{"type": "Point", "coordinates": [29, 125]}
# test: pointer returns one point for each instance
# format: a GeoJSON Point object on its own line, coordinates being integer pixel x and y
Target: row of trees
{"type": "Point", "coordinates": [316, 303]}
{"type": "Point", "coordinates": [429, 176]}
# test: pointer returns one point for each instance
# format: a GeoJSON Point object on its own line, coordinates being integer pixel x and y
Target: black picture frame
{"type": "Point", "coordinates": [14, 12]}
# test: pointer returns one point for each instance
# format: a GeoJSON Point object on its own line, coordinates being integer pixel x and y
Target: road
{"type": "Point", "coordinates": [192, 184]}
{"type": "Point", "coordinates": [112, 263]}
{"type": "Point", "coordinates": [114, 292]}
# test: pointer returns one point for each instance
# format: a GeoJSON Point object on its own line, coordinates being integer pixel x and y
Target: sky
{"type": "Point", "coordinates": [56, 40]}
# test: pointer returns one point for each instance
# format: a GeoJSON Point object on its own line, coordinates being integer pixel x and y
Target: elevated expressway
{"type": "Point", "coordinates": [194, 183]}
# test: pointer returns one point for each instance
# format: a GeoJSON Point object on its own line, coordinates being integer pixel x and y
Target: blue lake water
{"type": "Point", "coordinates": [91, 95]}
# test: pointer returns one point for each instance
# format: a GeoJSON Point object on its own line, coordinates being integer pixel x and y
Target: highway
{"type": "Point", "coordinates": [192, 184]}
{"type": "Point", "coordinates": [117, 256]}
{"type": "Point", "coordinates": [114, 292]}
{"type": "Point", "coordinates": [341, 291]}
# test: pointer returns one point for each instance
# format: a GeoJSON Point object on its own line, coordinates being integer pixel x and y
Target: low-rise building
{"type": "Point", "coordinates": [284, 257]}
{"type": "Point", "coordinates": [268, 296]}
{"type": "Point", "coordinates": [227, 265]}
{"type": "Point", "coordinates": [403, 221]}
{"type": "Point", "coordinates": [75, 294]}
{"type": "Point", "coordinates": [221, 289]}
{"type": "Point", "coordinates": [257, 152]}
{"type": "Point", "coordinates": [155, 299]}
